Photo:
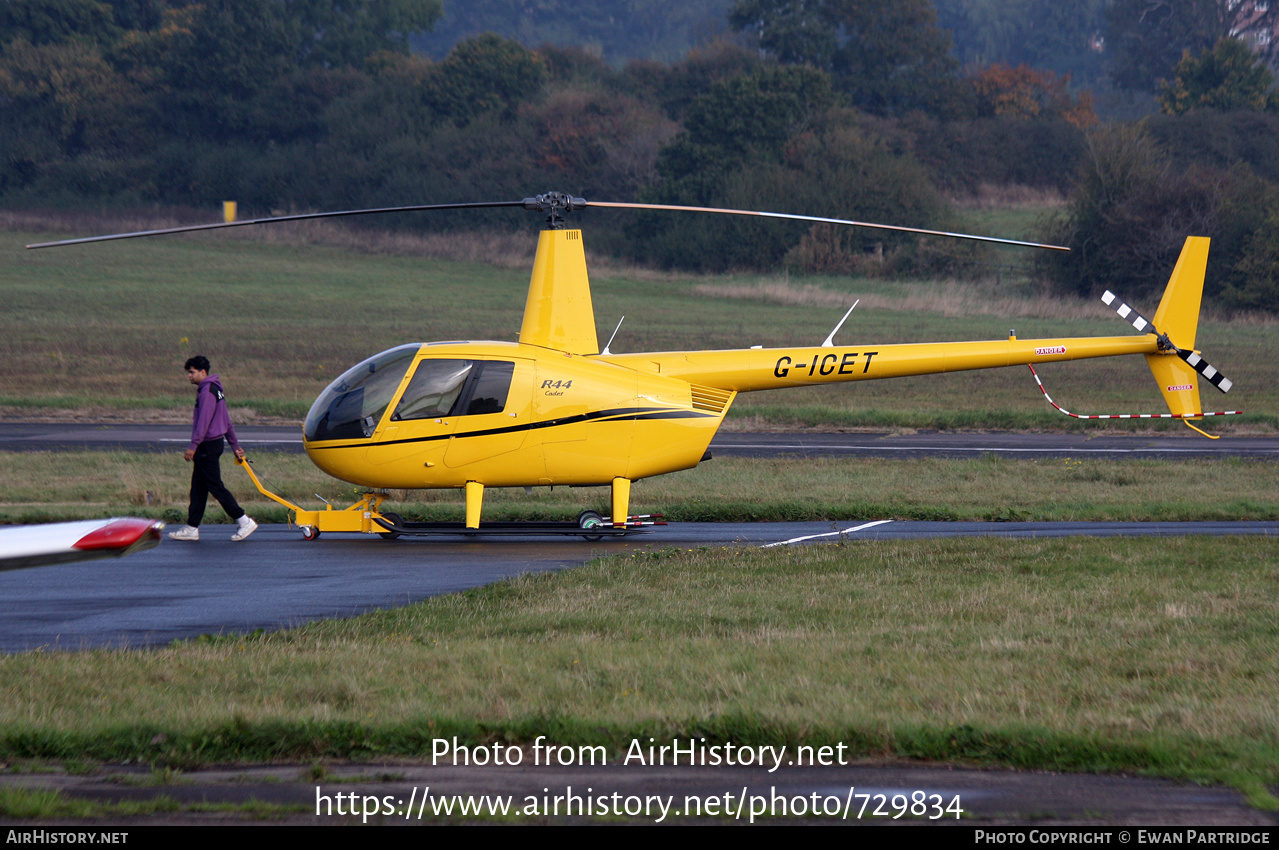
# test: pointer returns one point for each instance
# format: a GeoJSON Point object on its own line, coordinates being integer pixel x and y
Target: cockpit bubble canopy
{"type": "Point", "coordinates": [352, 406]}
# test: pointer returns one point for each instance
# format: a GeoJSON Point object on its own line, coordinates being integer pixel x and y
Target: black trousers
{"type": "Point", "coordinates": [206, 480]}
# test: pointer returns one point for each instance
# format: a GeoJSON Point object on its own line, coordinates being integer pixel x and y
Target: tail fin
{"type": "Point", "coordinates": [1178, 317]}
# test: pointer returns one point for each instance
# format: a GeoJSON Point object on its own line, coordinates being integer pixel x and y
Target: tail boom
{"type": "Point", "coordinates": [777, 368]}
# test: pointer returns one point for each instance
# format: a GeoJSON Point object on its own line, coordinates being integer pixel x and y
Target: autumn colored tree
{"type": "Point", "coordinates": [1031, 93]}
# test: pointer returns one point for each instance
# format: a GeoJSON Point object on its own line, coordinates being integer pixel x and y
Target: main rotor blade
{"type": "Point", "coordinates": [273, 219]}
{"type": "Point", "coordinates": [542, 203]}
{"type": "Point", "coordinates": [820, 220]}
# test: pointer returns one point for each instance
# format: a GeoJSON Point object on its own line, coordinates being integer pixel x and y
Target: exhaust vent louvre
{"type": "Point", "coordinates": [711, 399]}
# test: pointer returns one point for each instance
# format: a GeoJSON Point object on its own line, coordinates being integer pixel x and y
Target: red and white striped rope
{"type": "Point", "coordinates": [1123, 415]}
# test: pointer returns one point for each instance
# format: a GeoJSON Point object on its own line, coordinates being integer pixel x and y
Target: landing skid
{"type": "Point", "coordinates": [569, 529]}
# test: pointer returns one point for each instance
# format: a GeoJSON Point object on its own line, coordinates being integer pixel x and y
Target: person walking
{"type": "Point", "coordinates": [210, 426]}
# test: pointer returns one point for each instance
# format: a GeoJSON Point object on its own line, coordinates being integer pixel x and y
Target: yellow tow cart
{"type": "Point", "coordinates": [363, 516]}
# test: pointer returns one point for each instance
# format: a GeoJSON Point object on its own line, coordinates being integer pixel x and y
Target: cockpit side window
{"type": "Point", "coordinates": [455, 388]}
{"type": "Point", "coordinates": [433, 390]}
{"type": "Point", "coordinates": [488, 390]}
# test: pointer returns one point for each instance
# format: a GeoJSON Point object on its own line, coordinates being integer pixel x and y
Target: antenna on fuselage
{"type": "Point", "coordinates": [610, 339]}
{"type": "Point", "coordinates": [830, 340]}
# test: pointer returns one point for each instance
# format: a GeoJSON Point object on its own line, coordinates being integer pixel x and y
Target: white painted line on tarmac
{"type": "Point", "coordinates": [827, 534]}
{"type": "Point", "coordinates": [245, 440]}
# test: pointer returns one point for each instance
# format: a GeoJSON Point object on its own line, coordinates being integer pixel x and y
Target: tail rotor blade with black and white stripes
{"type": "Point", "coordinates": [1203, 367]}
{"type": "Point", "coordinates": [1134, 318]}
{"type": "Point", "coordinates": [1141, 323]}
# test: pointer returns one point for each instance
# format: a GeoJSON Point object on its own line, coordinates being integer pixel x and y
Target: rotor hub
{"type": "Point", "coordinates": [554, 204]}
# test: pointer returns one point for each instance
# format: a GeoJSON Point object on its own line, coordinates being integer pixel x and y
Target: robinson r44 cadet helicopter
{"type": "Point", "coordinates": [555, 409]}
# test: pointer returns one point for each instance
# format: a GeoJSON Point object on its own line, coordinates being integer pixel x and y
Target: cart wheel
{"type": "Point", "coordinates": [310, 532]}
{"type": "Point", "coordinates": [394, 519]}
{"type": "Point", "coordinates": [590, 519]}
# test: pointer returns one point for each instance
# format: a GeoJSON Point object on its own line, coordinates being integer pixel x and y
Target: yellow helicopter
{"type": "Point", "coordinates": [555, 409]}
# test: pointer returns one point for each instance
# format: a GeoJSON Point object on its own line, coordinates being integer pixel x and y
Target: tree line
{"type": "Point", "coordinates": [827, 107]}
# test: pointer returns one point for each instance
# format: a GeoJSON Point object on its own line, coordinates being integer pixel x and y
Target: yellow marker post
{"type": "Point", "coordinates": [228, 211]}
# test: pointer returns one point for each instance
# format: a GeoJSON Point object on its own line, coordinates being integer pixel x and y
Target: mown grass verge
{"type": "Point", "coordinates": [50, 803]}
{"type": "Point", "coordinates": [1065, 654]}
{"type": "Point", "coordinates": [51, 486]}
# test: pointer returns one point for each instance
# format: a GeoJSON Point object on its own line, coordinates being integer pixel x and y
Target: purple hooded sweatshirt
{"type": "Point", "coordinates": [211, 419]}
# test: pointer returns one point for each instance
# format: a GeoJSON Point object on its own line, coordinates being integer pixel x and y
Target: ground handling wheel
{"type": "Point", "coordinates": [590, 519]}
{"type": "Point", "coordinates": [310, 532]}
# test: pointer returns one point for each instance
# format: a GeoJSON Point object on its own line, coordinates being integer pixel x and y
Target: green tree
{"type": "Point", "coordinates": [61, 101]}
{"type": "Point", "coordinates": [487, 74]}
{"type": "Point", "coordinates": [677, 86]}
{"type": "Point", "coordinates": [1228, 77]}
{"type": "Point", "coordinates": [773, 139]}
{"type": "Point", "coordinates": [1255, 286]}
{"type": "Point", "coordinates": [226, 61]}
{"type": "Point", "coordinates": [137, 14]}
{"type": "Point", "coordinates": [887, 55]}
{"type": "Point", "coordinates": [437, 131]}
{"type": "Point", "coordinates": [742, 119]}
{"type": "Point", "coordinates": [40, 22]}
{"type": "Point", "coordinates": [218, 57]}
{"type": "Point", "coordinates": [615, 30]}
{"type": "Point", "coordinates": [1133, 208]}
{"type": "Point", "coordinates": [1062, 37]}
{"type": "Point", "coordinates": [1147, 38]}
{"type": "Point", "coordinates": [845, 170]}
{"type": "Point", "coordinates": [336, 33]}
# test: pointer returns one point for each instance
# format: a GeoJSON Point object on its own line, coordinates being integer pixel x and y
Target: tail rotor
{"type": "Point", "coordinates": [1192, 357]}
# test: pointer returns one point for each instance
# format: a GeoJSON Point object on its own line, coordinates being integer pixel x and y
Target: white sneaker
{"type": "Point", "coordinates": [186, 532]}
{"type": "Point", "coordinates": [247, 527]}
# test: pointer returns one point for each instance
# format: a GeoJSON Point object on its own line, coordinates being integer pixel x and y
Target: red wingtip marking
{"type": "Point", "coordinates": [120, 534]}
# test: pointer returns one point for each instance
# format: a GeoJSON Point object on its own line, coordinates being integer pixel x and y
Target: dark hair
{"type": "Point", "coordinates": [200, 363]}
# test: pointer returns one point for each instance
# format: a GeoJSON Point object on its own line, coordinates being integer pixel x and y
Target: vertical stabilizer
{"type": "Point", "coordinates": [1178, 317]}
{"type": "Point", "coordinates": [558, 313]}
{"type": "Point", "coordinates": [1178, 313]}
